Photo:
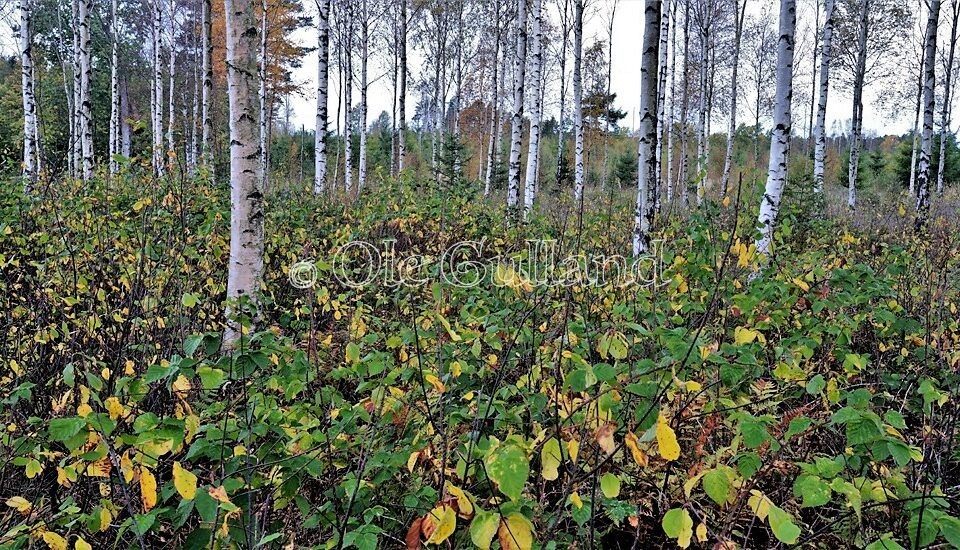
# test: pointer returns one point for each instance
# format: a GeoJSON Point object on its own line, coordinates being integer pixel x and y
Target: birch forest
{"type": "Point", "coordinates": [509, 274]}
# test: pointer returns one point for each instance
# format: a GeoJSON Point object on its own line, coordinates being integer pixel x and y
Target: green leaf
{"type": "Point", "coordinates": [716, 483]}
{"type": "Point", "coordinates": [62, 429]}
{"type": "Point", "coordinates": [885, 542]}
{"type": "Point", "coordinates": [550, 459]}
{"type": "Point", "coordinates": [483, 528]}
{"type": "Point", "coordinates": [678, 524]}
{"type": "Point", "coordinates": [210, 377]}
{"type": "Point", "coordinates": [610, 485]}
{"type": "Point", "coordinates": [950, 529]}
{"type": "Point", "coordinates": [813, 490]}
{"type": "Point", "coordinates": [353, 352]}
{"type": "Point", "coordinates": [921, 530]}
{"type": "Point", "coordinates": [782, 525]}
{"type": "Point", "coordinates": [508, 467]}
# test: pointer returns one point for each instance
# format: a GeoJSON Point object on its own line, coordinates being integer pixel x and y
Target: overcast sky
{"type": "Point", "coordinates": [627, 39]}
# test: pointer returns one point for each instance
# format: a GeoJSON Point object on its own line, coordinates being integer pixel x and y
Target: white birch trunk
{"type": "Point", "coordinates": [915, 143]}
{"type": "Point", "coordinates": [856, 125]}
{"type": "Point", "coordinates": [578, 100]}
{"type": "Point", "coordinates": [114, 148]}
{"type": "Point", "coordinates": [945, 108]}
{"type": "Point", "coordinates": [206, 151]}
{"type": "Point", "coordinates": [156, 99]}
{"type": "Point", "coordinates": [246, 191]}
{"type": "Point", "coordinates": [780, 136]}
{"type": "Point", "coordinates": [262, 72]}
{"type": "Point", "coordinates": [702, 120]}
{"type": "Point", "coordinates": [494, 108]}
{"type": "Point", "coordinates": [646, 151]}
{"type": "Point", "coordinates": [364, 49]}
{"type": "Point", "coordinates": [171, 74]}
{"type": "Point", "coordinates": [30, 142]}
{"type": "Point", "coordinates": [516, 123]}
{"type": "Point", "coordinates": [323, 72]}
{"type": "Point", "coordinates": [668, 182]}
{"type": "Point", "coordinates": [734, 95]}
{"type": "Point", "coordinates": [77, 137]}
{"type": "Point", "coordinates": [401, 148]}
{"type": "Point", "coordinates": [926, 141]}
{"type": "Point", "coordinates": [664, 54]}
{"type": "Point", "coordinates": [565, 33]}
{"type": "Point", "coordinates": [348, 107]}
{"type": "Point", "coordinates": [86, 107]}
{"type": "Point", "coordinates": [683, 179]}
{"type": "Point", "coordinates": [820, 130]}
{"type": "Point", "coordinates": [536, 68]}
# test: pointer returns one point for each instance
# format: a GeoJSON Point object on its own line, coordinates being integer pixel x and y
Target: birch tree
{"type": "Point", "coordinates": [114, 145]}
{"type": "Point", "coordinates": [262, 96]}
{"type": "Point", "coordinates": [578, 99]}
{"type": "Point", "coordinates": [926, 140]}
{"type": "Point", "coordinates": [780, 135]}
{"type": "Point", "coordinates": [171, 74]}
{"type": "Point", "coordinates": [565, 24]}
{"type": "Point", "coordinates": [734, 94]}
{"type": "Point", "coordinates": [156, 95]}
{"type": "Point", "coordinates": [246, 188]}
{"type": "Point", "coordinates": [646, 152]}
{"type": "Point", "coordinates": [401, 148]}
{"type": "Point", "coordinates": [664, 54]}
{"type": "Point", "coordinates": [364, 52]}
{"type": "Point", "coordinates": [516, 123]}
{"type": "Point", "coordinates": [947, 83]}
{"type": "Point", "coordinates": [323, 71]}
{"type": "Point", "coordinates": [496, 67]}
{"type": "Point", "coordinates": [856, 126]}
{"type": "Point", "coordinates": [30, 142]}
{"type": "Point", "coordinates": [86, 73]}
{"type": "Point", "coordinates": [820, 130]}
{"type": "Point", "coordinates": [206, 152]}
{"type": "Point", "coordinates": [536, 68]}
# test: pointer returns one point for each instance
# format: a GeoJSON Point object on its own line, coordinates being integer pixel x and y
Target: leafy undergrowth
{"type": "Point", "coordinates": [812, 403]}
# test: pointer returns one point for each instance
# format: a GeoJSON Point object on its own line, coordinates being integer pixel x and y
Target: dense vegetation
{"type": "Point", "coordinates": [811, 403]}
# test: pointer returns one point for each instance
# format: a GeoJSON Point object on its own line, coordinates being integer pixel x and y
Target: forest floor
{"type": "Point", "coordinates": [454, 398]}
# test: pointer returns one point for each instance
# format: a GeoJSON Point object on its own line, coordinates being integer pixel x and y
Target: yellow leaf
{"type": "Point", "coordinates": [435, 382]}
{"type": "Point", "coordinates": [760, 504]}
{"type": "Point", "coordinates": [19, 504]}
{"type": "Point", "coordinates": [100, 468]}
{"type": "Point", "coordinates": [185, 481]}
{"type": "Point", "coordinates": [515, 533]}
{"type": "Point", "coordinates": [444, 521]}
{"type": "Point", "coordinates": [633, 443]}
{"type": "Point", "coordinates": [54, 541]}
{"type": "Point", "coordinates": [105, 519]}
{"type": "Point", "coordinates": [84, 410]}
{"type": "Point", "coordinates": [702, 532]}
{"type": "Point", "coordinates": [667, 440]}
{"type": "Point", "coordinates": [114, 407]}
{"type": "Point", "coordinates": [573, 447]}
{"type": "Point", "coordinates": [550, 459]}
{"type": "Point", "coordinates": [801, 283]}
{"type": "Point", "coordinates": [412, 461]}
{"type": "Point", "coordinates": [181, 384]}
{"type": "Point", "coordinates": [81, 544]}
{"type": "Point", "coordinates": [576, 500]}
{"type": "Point", "coordinates": [726, 202]}
{"type": "Point", "coordinates": [604, 437]}
{"type": "Point", "coordinates": [464, 506]}
{"type": "Point", "coordinates": [148, 489]}
{"type": "Point", "coordinates": [743, 335]}
{"type": "Point", "coordinates": [219, 493]}
{"type": "Point", "coordinates": [239, 450]}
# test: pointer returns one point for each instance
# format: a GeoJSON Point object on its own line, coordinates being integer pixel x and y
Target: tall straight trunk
{"type": "Point", "coordinates": [156, 97]}
{"type": "Point", "coordinates": [494, 105]}
{"type": "Point", "coordinates": [646, 151]}
{"type": "Point", "coordinates": [536, 68]}
{"type": "Point", "coordinates": [683, 179]}
{"type": "Point", "coordinates": [564, 34]}
{"type": "Point", "coordinates": [780, 135]}
{"type": "Point", "coordinates": [395, 73]}
{"type": "Point", "coordinates": [915, 143]}
{"type": "Point", "coordinates": [926, 141]}
{"type": "Point", "coordinates": [262, 72]}
{"type": "Point", "coordinates": [364, 45]}
{"type": "Point", "coordinates": [820, 131]}
{"type": "Point", "coordinates": [195, 115]}
{"type": "Point", "coordinates": [578, 99]}
{"type": "Point", "coordinates": [856, 124]}
{"type": "Point", "coordinates": [171, 106]}
{"type": "Point", "coordinates": [246, 189]}
{"type": "Point", "coordinates": [702, 117]}
{"type": "Point", "coordinates": [30, 156]}
{"type": "Point", "coordinates": [126, 131]}
{"type": "Point", "coordinates": [734, 94]}
{"type": "Point", "coordinates": [323, 73]}
{"type": "Point", "coordinates": [401, 148]}
{"type": "Point", "coordinates": [813, 81]}
{"type": "Point", "coordinates": [114, 148]}
{"type": "Point", "coordinates": [348, 104]}
{"type": "Point", "coordinates": [668, 181]}
{"type": "Point", "coordinates": [86, 68]}
{"type": "Point", "coordinates": [516, 124]}
{"type": "Point", "coordinates": [604, 165]}
{"type": "Point", "coordinates": [664, 54]}
{"type": "Point", "coordinates": [945, 108]}
{"type": "Point", "coordinates": [206, 151]}
{"type": "Point", "coordinates": [76, 134]}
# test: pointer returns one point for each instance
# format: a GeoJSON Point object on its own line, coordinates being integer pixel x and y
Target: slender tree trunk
{"type": "Point", "coordinates": [926, 141]}
{"type": "Point", "coordinates": [578, 99]}
{"type": "Point", "coordinates": [683, 179]}
{"type": "Point", "coordinates": [780, 136]}
{"type": "Point", "coordinates": [664, 54]}
{"type": "Point", "coordinates": [86, 107]}
{"type": "Point", "coordinates": [856, 125]}
{"type": "Point", "coordinates": [494, 104]}
{"type": "Point", "coordinates": [348, 105]}
{"type": "Point", "coordinates": [114, 148]}
{"type": "Point", "coordinates": [646, 151]}
{"type": "Point", "coordinates": [126, 132]}
{"type": "Point", "coordinates": [156, 99]}
{"type": "Point", "coordinates": [813, 80]}
{"type": "Point", "coordinates": [536, 54]}
{"type": "Point", "coordinates": [947, 83]}
{"type": "Point", "coordinates": [323, 72]}
{"type": "Point", "coordinates": [820, 131]}
{"type": "Point", "coordinates": [246, 188]}
{"type": "Point", "coordinates": [264, 122]}
{"type": "Point", "coordinates": [702, 118]}
{"type": "Point", "coordinates": [195, 114]}
{"type": "Point", "coordinates": [171, 107]}
{"type": "Point", "coordinates": [30, 156]}
{"type": "Point", "coordinates": [401, 148]}
{"type": "Point", "coordinates": [516, 124]}
{"type": "Point", "coordinates": [734, 94]}
{"type": "Point", "coordinates": [565, 33]}
{"type": "Point", "coordinates": [207, 93]}
{"type": "Point", "coordinates": [673, 102]}
{"type": "Point", "coordinates": [77, 139]}
{"type": "Point", "coordinates": [364, 45]}
{"type": "Point", "coordinates": [915, 143]}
